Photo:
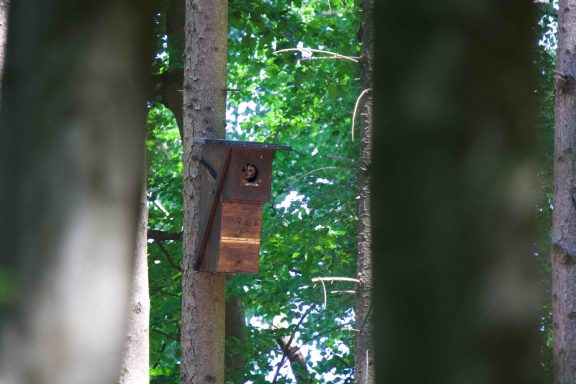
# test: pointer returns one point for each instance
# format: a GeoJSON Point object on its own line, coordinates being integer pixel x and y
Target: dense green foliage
{"type": "Point", "coordinates": [309, 227]}
{"type": "Point", "coordinates": [165, 213]}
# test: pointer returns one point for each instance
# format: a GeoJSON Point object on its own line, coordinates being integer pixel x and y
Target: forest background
{"type": "Point", "coordinates": [309, 227]}
{"type": "Point", "coordinates": [310, 231]}
{"type": "Point", "coordinates": [310, 224]}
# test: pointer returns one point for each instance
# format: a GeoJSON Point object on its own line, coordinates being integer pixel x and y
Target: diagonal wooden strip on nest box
{"type": "Point", "coordinates": [236, 181]}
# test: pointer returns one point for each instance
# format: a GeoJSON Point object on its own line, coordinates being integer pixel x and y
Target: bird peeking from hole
{"type": "Point", "coordinates": [250, 173]}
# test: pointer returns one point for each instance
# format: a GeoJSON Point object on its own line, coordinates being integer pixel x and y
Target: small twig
{"type": "Point", "coordinates": [317, 170]}
{"type": "Point", "coordinates": [322, 58]}
{"type": "Point", "coordinates": [163, 292]}
{"type": "Point", "coordinates": [164, 334]}
{"type": "Point", "coordinates": [349, 378]}
{"type": "Point", "coordinates": [162, 348]}
{"type": "Point", "coordinates": [294, 181]}
{"type": "Point", "coordinates": [170, 259]}
{"type": "Point", "coordinates": [343, 292]}
{"type": "Point", "coordinates": [283, 359]}
{"type": "Point", "coordinates": [162, 209]}
{"type": "Point", "coordinates": [349, 279]}
{"type": "Point", "coordinates": [356, 110]}
{"type": "Point", "coordinates": [343, 159]}
{"type": "Point", "coordinates": [332, 279]}
{"type": "Point", "coordinates": [318, 336]}
{"type": "Point", "coordinates": [325, 296]}
{"type": "Point", "coordinates": [296, 359]}
{"type": "Point", "coordinates": [333, 55]}
{"type": "Point", "coordinates": [164, 236]}
{"type": "Point", "coordinates": [341, 359]}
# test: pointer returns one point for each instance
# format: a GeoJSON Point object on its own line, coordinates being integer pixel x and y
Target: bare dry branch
{"type": "Point", "coordinates": [364, 92]}
{"type": "Point", "coordinates": [331, 55]}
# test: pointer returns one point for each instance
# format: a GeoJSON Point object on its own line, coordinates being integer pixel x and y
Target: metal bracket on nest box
{"type": "Point", "coordinates": [236, 180]}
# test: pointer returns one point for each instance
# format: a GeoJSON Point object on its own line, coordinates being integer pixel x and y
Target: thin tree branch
{"type": "Point", "coordinates": [294, 181]}
{"type": "Point", "coordinates": [164, 211]}
{"type": "Point", "coordinates": [322, 58]}
{"type": "Point", "coordinates": [162, 290]}
{"type": "Point", "coordinates": [165, 334]}
{"type": "Point", "coordinates": [322, 280]}
{"type": "Point", "coordinates": [318, 336]}
{"type": "Point", "coordinates": [168, 256]}
{"type": "Point", "coordinates": [348, 279]}
{"type": "Point", "coordinates": [296, 359]}
{"type": "Point", "coordinates": [342, 360]}
{"type": "Point", "coordinates": [164, 236]}
{"type": "Point", "coordinates": [332, 55]}
{"type": "Point", "coordinates": [283, 359]}
{"type": "Point", "coordinates": [317, 170]}
{"type": "Point", "coordinates": [364, 92]}
{"type": "Point", "coordinates": [343, 292]}
{"type": "Point", "coordinates": [341, 158]}
{"type": "Point", "coordinates": [325, 294]}
{"type": "Point", "coordinates": [324, 333]}
{"type": "Point", "coordinates": [162, 348]}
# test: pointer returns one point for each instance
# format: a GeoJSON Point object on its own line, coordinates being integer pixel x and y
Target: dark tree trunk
{"type": "Point", "coordinates": [203, 293]}
{"type": "Point", "coordinates": [71, 165]}
{"type": "Point", "coordinates": [3, 35]}
{"type": "Point", "coordinates": [563, 253]}
{"type": "Point", "coordinates": [453, 197]}
{"type": "Point", "coordinates": [364, 353]}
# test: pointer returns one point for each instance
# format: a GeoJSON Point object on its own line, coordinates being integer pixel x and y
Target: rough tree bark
{"type": "Point", "coordinates": [453, 193]}
{"type": "Point", "coordinates": [563, 253]}
{"type": "Point", "coordinates": [203, 293]}
{"type": "Point", "coordinates": [170, 89]}
{"type": "Point", "coordinates": [135, 358]}
{"type": "Point", "coordinates": [364, 354]}
{"type": "Point", "coordinates": [71, 164]}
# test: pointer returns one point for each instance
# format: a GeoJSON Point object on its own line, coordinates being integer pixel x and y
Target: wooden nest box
{"type": "Point", "coordinates": [236, 180]}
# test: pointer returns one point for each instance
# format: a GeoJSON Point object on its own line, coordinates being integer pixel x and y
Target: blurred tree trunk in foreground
{"type": "Point", "coordinates": [136, 355]}
{"type": "Point", "coordinates": [71, 165]}
{"type": "Point", "coordinates": [456, 292]}
{"type": "Point", "coordinates": [563, 253]}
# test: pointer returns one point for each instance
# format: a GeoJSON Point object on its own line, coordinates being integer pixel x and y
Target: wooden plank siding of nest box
{"type": "Point", "coordinates": [240, 236]}
{"type": "Point", "coordinates": [236, 181]}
